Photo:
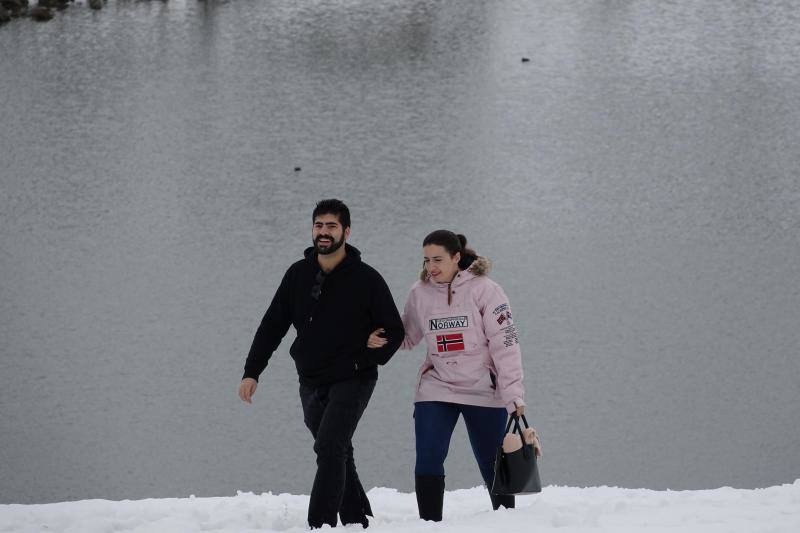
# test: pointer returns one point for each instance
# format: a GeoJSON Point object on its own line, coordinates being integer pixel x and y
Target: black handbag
{"type": "Point", "coordinates": [516, 472]}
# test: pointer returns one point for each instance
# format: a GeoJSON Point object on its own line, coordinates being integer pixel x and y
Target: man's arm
{"type": "Point", "coordinates": [384, 314]}
{"type": "Point", "coordinates": [273, 327]}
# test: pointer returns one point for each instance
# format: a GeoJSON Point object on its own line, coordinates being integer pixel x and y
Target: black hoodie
{"type": "Point", "coordinates": [332, 331]}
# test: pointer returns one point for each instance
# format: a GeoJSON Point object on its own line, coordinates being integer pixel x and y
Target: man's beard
{"type": "Point", "coordinates": [326, 250]}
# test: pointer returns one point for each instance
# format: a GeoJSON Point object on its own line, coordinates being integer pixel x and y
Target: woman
{"type": "Point", "coordinates": [473, 365]}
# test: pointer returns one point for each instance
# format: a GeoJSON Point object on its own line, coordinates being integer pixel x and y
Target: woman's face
{"type": "Point", "coordinates": [441, 267]}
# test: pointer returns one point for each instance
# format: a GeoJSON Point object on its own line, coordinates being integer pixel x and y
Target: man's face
{"type": "Point", "coordinates": [327, 234]}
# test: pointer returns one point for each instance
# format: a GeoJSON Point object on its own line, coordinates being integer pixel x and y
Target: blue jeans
{"type": "Point", "coordinates": [433, 426]}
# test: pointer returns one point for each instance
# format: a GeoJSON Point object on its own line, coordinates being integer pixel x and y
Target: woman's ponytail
{"type": "Point", "coordinates": [468, 255]}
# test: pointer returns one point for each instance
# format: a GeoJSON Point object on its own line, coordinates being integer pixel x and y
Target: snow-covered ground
{"type": "Point", "coordinates": [773, 509]}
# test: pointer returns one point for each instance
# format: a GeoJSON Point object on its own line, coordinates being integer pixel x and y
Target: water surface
{"type": "Point", "coordinates": [635, 184]}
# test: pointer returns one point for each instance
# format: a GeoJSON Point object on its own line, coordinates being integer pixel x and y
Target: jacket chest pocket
{"type": "Point", "coordinates": [450, 333]}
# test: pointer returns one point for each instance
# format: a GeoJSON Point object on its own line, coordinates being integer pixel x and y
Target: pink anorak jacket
{"type": "Point", "coordinates": [473, 354]}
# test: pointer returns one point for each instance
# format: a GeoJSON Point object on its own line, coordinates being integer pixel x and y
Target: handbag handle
{"type": "Point", "coordinates": [527, 449]}
{"type": "Point", "coordinates": [513, 418]}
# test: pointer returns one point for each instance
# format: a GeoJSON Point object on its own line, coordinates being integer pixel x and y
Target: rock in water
{"type": "Point", "coordinates": [42, 14]}
{"type": "Point", "coordinates": [96, 4]}
{"type": "Point", "coordinates": [55, 4]}
{"type": "Point", "coordinates": [13, 8]}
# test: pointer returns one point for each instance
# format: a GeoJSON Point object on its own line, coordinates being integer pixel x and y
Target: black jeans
{"type": "Point", "coordinates": [332, 413]}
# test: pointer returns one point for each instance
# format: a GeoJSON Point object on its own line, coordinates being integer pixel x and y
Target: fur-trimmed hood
{"type": "Point", "coordinates": [480, 266]}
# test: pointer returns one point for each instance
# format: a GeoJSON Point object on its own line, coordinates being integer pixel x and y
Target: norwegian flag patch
{"type": "Point", "coordinates": [502, 317]}
{"type": "Point", "coordinates": [450, 343]}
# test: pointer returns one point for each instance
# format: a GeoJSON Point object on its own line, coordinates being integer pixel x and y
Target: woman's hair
{"type": "Point", "coordinates": [453, 243]}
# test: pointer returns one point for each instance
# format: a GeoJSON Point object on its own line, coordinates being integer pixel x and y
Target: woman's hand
{"type": "Point", "coordinates": [520, 410]}
{"type": "Point", "coordinates": [375, 340]}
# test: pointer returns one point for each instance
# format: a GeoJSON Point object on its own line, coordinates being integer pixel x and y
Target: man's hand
{"type": "Point", "coordinates": [247, 388]}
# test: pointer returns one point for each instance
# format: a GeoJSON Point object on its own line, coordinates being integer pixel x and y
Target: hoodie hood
{"type": "Point", "coordinates": [480, 266]}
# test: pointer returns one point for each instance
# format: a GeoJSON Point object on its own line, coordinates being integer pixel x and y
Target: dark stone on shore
{"type": "Point", "coordinates": [96, 4]}
{"type": "Point", "coordinates": [12, 6]}
{"type": "Point", "coordinates": [41, 14]}
{"type": "Point", "coordinates": [55, 4]}
{"type": "Point", "coordinates": [5, 16]}
{"type": "Point", "coordinates": [15, 8]}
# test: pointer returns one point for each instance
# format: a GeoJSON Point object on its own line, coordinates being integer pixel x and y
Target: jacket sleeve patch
{"type": "Point", "coordinates": [502, 314]}
{"type": "Point", "coordinates": [510, 335]}
{"type": "Point", "coordinates": [500, 308]}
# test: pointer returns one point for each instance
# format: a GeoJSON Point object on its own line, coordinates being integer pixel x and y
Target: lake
{"type": "Point", "coordinates": [635, 183]}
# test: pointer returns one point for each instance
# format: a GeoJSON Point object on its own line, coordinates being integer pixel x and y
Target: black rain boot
{"type": "Point", "coordinates": [505, 500]}
{"type": "Point", "coordinates": [430, 497]}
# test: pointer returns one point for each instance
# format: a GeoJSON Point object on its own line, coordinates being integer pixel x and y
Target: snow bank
{"type": "Point", "coordinates": [564, 509]}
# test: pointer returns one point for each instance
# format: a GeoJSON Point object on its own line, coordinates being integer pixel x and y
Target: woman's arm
{"type": "Point", "coordinates": [504, 350]}
{"type": "Point", "coordinates": [411, 323]}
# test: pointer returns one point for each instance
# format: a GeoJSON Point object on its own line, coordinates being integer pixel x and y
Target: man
{"type": "Point", "coordinates": [334, 300]}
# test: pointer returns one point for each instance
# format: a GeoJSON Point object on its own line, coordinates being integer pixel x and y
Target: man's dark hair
{"type": "Point", "coordinates": [333, 207]}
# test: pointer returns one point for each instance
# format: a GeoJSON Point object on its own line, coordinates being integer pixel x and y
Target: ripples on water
{"type": "Point", "coordinates": [635, 184]}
